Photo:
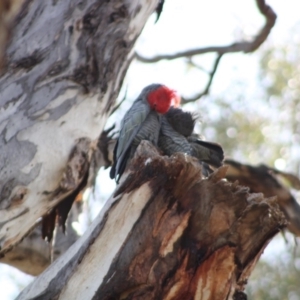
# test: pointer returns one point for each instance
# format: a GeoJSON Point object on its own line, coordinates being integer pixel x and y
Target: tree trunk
{"type": "Point", "coordinates": [65, 65]}
{"type": "Point", "coordinates": [33, 254]}
{"type": "Point", "coordinates": [167, 233]}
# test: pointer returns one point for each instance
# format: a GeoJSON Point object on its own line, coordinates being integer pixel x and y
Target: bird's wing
{"type": "Point", "coordinates": [130, 125]}
{"type": "Point", "coordinates": [212, 153]}
{"type": "Point", "coordinates": [171, 141]}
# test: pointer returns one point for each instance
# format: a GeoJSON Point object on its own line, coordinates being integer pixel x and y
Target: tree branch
{"type": "Point", "coordinates": [166, 234]}
{"type": "Point", "coordinates": [263, 179]}
{"type": "Point", "coordinates": [242, 46]}
{"type": "Point", "coordinates": [208, 85]}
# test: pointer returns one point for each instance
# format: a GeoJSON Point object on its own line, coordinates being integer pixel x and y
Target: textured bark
{"type": "Point", "coordinates": [33, 255]}
{"type": "Point", "coordinates": [8, 11]}
{"type": "Point", "coordinates": [167, 234]}
{"type": "Point", "coordinates": [269, 181]}
{"type": "Point", "coordinates": [64, 68]}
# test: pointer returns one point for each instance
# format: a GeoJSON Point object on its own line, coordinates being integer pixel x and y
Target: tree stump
{"type": "Point", "coordinates": [167, 233]}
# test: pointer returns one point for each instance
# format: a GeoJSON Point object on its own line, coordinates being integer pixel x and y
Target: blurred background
{"type": "Point", "coordinates": [252, 109]}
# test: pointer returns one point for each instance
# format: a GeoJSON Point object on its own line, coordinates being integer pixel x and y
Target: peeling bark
{"type": "Point", "coordinates": [33, 254]}
{"type": "Point", "coordinates": [64, 68]}
{"type": "Point", "coordinates": [168, 233]}
{"type": "Point", "coordinates": [266, 180]}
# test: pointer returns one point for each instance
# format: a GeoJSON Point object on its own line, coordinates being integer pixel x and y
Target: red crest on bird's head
{"type": "Point", "coordinates": [162, 98]}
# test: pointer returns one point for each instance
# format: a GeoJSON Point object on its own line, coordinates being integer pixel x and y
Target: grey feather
{"type": "Point", "coordinates": [211, 153]}
{"type": "Point", "coordinates": [171, 141]}
{"type": "Point", "coordinates": [176, 136]}
{"type": "Point", "coordinates": [139, 123]}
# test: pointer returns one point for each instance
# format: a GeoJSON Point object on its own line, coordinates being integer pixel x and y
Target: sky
{"type": "Point", "coordinates": [186, 25]}
{"type": "Point", "coordinates": [191, 24]}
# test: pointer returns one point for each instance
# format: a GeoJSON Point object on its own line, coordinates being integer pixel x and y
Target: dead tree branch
{"type": "Point", "coordinates": [167, 234]}
{"type": "Point", "coordinates": [208, 85]}
{"type": "Point", "coordinates": [263, 179]}
{"type": "Point", "coordinates": [242, 46]}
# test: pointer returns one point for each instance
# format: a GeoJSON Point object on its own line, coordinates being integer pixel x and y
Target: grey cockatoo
{"type": "Point", "coordinates": [141, 122]}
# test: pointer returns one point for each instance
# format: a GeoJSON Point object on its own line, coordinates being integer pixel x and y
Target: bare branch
{"type": "Point", "coordinates": [193, 64]}
{"type": "Point", "coordinates": [207, 88]}
{"type": "Point", "coordinates": [242, 46]}
{"type": "Point", "coordinates": [263, 179]}
{"type": "Point", "coordinates": [290, 179]}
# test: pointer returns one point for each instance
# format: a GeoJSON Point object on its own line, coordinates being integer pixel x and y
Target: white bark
{"type": "Point", "coordinates": [65, 66]}
{"type": "Point", "coordinates": [109, 241]}
{"type": "Point", "coordinates": [33, 254]}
